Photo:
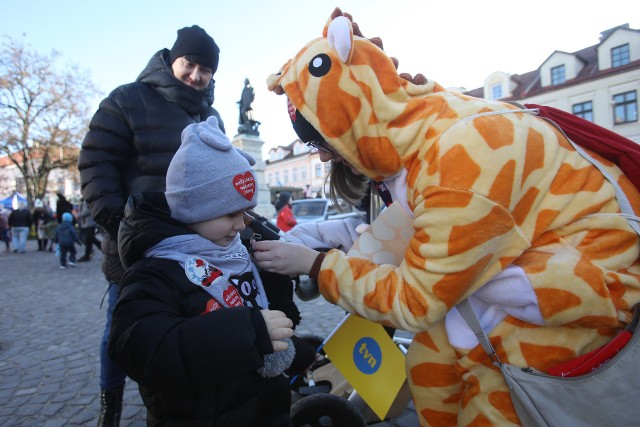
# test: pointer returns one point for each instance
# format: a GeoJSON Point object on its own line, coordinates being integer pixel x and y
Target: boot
{"type": "Point", "coordinates": [111, 407]}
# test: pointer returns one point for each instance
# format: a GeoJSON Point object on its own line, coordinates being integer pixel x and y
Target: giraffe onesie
{"type": "Point", "coordinates": [490, 187]}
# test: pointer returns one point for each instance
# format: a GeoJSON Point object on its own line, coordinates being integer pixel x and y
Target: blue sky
{"type": "Point", "coordinates": [456, 43]}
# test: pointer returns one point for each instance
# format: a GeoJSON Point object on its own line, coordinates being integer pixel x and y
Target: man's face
{"type": "Point", "coordinates": [194, 75]}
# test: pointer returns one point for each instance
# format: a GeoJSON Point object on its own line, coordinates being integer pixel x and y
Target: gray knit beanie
{"type": "Point", "coordinates": [208, 177]}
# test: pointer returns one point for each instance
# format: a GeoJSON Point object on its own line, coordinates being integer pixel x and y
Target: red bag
{"type": "Point", "coordinates": [608, 144]}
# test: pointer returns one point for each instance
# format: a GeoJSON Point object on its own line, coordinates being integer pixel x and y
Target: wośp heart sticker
{"type": "Point", "coordinates": [245, 184]}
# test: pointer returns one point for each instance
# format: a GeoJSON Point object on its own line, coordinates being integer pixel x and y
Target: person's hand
{"type": "Point", "coordinates": [278, 256]}
{"type": "Point", "coordinates": [279, 327]}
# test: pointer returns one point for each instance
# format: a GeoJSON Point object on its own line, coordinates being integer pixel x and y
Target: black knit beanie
{"type": "Point", "coordinates": [195, 41]}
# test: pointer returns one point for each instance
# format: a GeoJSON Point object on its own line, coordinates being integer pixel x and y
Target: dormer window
{"type": "Point", "coordinates": [620, 55]}
{"type": "Point", "coordinates": [557, 75]}
{"type": "Point", "coordinates": [496, 91]}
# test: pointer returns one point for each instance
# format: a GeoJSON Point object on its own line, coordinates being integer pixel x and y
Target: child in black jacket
{"type": "Point", "coordinates": [194, 324]}
{"type": "Point", "coordinates": [66, 237]}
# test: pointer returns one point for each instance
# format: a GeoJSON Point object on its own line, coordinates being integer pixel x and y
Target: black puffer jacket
{"type": "Point", "coordinates": [131, 141]}
{"type": "Point", "coordinates": [193, 367]}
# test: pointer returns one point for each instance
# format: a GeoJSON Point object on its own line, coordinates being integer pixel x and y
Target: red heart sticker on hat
{"type": "Point", "coordinates": [245, 185]}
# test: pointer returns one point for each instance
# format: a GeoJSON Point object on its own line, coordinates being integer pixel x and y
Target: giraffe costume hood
{"type": "Point", "coordinates": [495, 192]}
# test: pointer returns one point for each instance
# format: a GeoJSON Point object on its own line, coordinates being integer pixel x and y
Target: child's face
{"type": "Point", "coordinates": [221, 230]}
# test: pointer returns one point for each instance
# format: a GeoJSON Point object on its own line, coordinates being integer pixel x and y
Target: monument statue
{"type": "Point", "coordinates": [247, 124]}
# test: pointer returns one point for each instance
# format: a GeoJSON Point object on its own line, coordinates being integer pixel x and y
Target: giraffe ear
{"type": "Point", "coordinates": [340, 38]}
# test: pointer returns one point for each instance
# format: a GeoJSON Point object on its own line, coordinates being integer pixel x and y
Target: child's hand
{"type": "Point", "coordinates": [279, 328]}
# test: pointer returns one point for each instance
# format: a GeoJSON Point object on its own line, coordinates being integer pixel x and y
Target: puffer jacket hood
{"type": "Point", "coordinates": [147, 221]}
{"type": "Point", "coordinates": [159, 75]}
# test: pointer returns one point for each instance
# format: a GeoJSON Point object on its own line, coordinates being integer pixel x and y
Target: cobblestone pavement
{"type": "Point", "coordinates": [51, 324]}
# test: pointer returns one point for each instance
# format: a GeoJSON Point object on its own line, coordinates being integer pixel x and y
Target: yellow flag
{"type": "Point", "coordinates": [367, 357]}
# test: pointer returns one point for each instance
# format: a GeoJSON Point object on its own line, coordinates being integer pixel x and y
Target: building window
{"type": "Point", "coordinates": [270, 178]}
{"type": "Point", "coordinates": [625, 108]}
{"type": "Point", "coordinates": [496, 91]}
{"type": "Point", "coordinates": [278, 183]}
{"type": "Point", "coordinates": [285, 176]}
{"type": "Point", "coordinates": [620, 55]}
{"type": "Point", "coordinates": [557, 75]}
{"type": "Point", "coordinates": [584, 110]}
{"type": "Point", "coordinates": [303, 173]}
{"type": "Point", "coordinates": [318, 169]}
{"type": "Point", "coordinates": [294, 178]}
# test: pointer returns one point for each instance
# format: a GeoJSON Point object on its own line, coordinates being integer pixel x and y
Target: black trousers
{"type": "Point", "coordinates": [88, 237]}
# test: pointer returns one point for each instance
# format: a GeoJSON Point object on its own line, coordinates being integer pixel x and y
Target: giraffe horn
{"type": "Point", "coordinates": [340, 37]}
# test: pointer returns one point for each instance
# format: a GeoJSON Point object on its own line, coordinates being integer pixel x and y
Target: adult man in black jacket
{"type": "Point", "coordinates": [131, 141]}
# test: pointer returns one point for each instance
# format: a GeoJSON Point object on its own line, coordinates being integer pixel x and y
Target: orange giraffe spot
{"type": "Point", "coordinates": [542, 357]}
{"type": "Point", "coordinates": [496, 130]}
{"type": "Point", "coordinates": [360, 267]}
{"type": "Point", "coordinates": [523, 207]}
{"type": "Point", "coordinates": [545, 217]}
{"type": "Point", "coordinates": [425, 339]}
{"type": "Point", "coordinates": [414, 111]}
{"type": "Point", "coordinates": [569, 180]}
{"type": "Point", "coordinates": [520, 323]}
{"type": "Point", "coordinates": [553, 301]}
{"type": "Point", "coordinates": [533, 261]}
{"type": "Point", "coordinates": [452, 286]}
{"type": "Point", "coordinates": [412, 253]}
{"type": "Point", "coordinates": [435, 197]}
{"type": "Point", "coordinates": [478, 355]}
{"type": "Point", "coordinates": [367, 54]}
{"type": "Point", "coordinates": [413, 300]}
{"type": "Point", "coordinates": [562, 141]}
{"type": "Point", "coordinates": [602, 244]}
{"type": "Point", "coordinates": [465, 237]}
{"type": "Point", "coordinates": [480, 421]}
{"type": "Point", "coordinates": [458, 169]}
{"type": "Point", "coordinates": [631, 192]}
{"type": "Point", "coordinates": [535, 154]}
{"type": "Point", "coordinates": [589, 210]}
{"type": "Point", "coordinates": [591, 274]}
{"type": "Point", "coordinates": [500, 191]}
{"type": "Point", "coordinates": [328, 283]}
{"type": "Point", "coordinates": [439, 418]}
{"type": "Point", "coordinates": [431, 159]}
{"type": "Point", "coordinates": [453, 398]}
{"type": "Point", "coordinates": [605, 323]}
{"type": "Point", "coordinates": [501, 400]}
{"type": "Point", "coordinates": [337, 110]}
{"type": "Point", "coordinates": [470, 391]}
{"type": "Point", "coordinates": [378, 153]}
{"type": "Point", "coordinates": [616, 291]}
{"type": "Point", "coordinates": [434, 375]}
{"type": "Point", "coordinates": [382, 297]}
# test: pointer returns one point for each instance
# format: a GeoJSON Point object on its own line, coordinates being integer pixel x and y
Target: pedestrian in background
{"type": "Point", "coordinates": [195, 324]}
{"type": "Point", "coordinates": [66, 238]}
{"type": "Point", "coordinates": [131, 140]}
{"type": "Point", "coordinates": [4, 227]}
{"type": "Point", "coordinates": [20, 221]}
{"type": "Point", "coordinates": [40, 219]}
{"type": "Point", "coordinates": [285, 221]}
{"type": "Point", "coordinates": [87, 232]}
{"type": "Point", "coordinates": [63, 205]}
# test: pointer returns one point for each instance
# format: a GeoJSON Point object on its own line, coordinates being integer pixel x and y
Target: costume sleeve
{"type": "Point", "coordinates": [106, 149]}
{"type": "Point", "coordinates": [156, 343]}
{"type": "Point", "coordinates": [451, 254]}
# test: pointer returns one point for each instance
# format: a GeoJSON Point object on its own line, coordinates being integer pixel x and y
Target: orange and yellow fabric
{"type": "Point", "coordinates": [489, 187]}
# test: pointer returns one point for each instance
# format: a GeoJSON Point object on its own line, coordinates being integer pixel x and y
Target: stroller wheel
{"type": "Point", "coordinates": [326, 410]}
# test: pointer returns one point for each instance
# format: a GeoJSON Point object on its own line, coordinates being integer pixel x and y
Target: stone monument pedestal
{"type": "Point", "coordinates": [252, 144]}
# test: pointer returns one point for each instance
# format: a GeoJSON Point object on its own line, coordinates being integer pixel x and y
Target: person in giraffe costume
{"type": "Point", "coordinates": [505, 213]}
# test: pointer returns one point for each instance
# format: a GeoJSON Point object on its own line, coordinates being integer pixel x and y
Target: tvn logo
{"type": "Point", "coordinates": [367, 355]}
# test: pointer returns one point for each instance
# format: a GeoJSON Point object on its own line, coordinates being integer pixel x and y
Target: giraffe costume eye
{"type": "Point", "coordinates": [320, 65]}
